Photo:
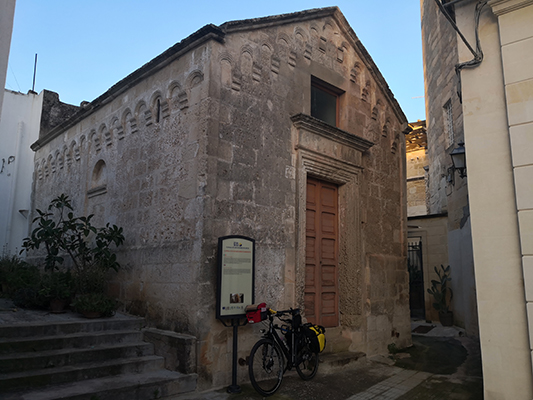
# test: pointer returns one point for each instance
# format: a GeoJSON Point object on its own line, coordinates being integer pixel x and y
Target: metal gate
{"type": "Point", "coordinates": [416, 278]}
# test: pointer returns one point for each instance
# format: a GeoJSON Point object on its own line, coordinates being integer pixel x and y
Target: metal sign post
{"type": "Point", "coordinates": [236, 270]}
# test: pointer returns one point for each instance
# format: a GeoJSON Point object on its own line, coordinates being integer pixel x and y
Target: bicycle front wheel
{"type": "Point", "coordinates": [266, 367]}
{"type": "Point", "coordinates": [307, 366]}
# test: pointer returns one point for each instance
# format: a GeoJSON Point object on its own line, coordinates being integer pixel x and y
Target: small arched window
{"type": "Point", "coordinates": [98, 180]}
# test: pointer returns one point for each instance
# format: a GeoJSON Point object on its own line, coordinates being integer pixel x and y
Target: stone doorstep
{"type": "Point", "coordinates": [147, 385]}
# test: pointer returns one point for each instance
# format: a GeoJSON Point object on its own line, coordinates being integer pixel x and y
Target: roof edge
{"type": "Point", "coordinates": [204, 34]}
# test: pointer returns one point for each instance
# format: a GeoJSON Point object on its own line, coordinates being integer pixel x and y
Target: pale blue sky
{"type": "Point", "coordinates": [84, 47]}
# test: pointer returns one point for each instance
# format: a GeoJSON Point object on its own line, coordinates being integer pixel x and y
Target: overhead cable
{"type": "Point", "coordinates": [477, 53]}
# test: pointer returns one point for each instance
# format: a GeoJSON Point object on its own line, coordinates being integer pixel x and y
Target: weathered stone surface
{"type": "Point", "coordinates": [231, 155]}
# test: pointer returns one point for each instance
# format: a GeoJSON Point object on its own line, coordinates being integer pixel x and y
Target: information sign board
{"type": "Point", "coordinates": [236, 268]}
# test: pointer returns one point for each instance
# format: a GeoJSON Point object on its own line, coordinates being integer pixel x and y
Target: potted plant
{"type": "Point", "coordinates": [442, 295]}
{"type": "Point", "coordinates": [56, 288]}
{"type": "Point", "coordinates": [95, 305]}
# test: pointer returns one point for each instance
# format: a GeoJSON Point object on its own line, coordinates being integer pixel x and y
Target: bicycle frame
{"type": "Point", "coordinates": [289, 352]}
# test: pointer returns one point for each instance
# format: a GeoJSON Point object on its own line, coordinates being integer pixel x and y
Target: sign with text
{"type": "Point", "coordinates": [236, 266]}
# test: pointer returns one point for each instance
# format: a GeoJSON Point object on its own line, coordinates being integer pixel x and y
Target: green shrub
{"type": "Point", "coordinates": [95, 302]}
{"type": "Point", "coordinates": [16, 274]}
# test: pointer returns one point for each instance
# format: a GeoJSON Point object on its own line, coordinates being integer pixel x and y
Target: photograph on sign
{"type": "Point", "coordinates": [236, 275]}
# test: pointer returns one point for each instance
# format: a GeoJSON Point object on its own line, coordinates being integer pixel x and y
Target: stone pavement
{"type": "Point", "coordinates": [442, 364]}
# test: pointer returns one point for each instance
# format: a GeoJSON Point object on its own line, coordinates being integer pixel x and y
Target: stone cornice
{"type": "Point", "coordinates": [327, 131]}
{"type": "Point", "coordinates": [501, 7]}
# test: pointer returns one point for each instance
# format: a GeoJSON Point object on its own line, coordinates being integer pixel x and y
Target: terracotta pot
{"type": "Point", "coordinates": [91, 314]}
{"type": "Point", "coordinates": [446, 319]}
{"type": "Point", "coordinates": [57, 306]}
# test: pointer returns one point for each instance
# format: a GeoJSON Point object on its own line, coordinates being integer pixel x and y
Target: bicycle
{"type": "Point", "coordinates": [267, 365]}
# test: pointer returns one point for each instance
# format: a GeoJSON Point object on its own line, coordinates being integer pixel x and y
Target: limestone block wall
{"type": "Point", "coordinates": [219, 141]}
{"type": "Point", "coordinates": [447, 191]}
{"type": "Point", "coordinates": [136, 163]}
{"type": "Point", "coordinates": [416, 183]}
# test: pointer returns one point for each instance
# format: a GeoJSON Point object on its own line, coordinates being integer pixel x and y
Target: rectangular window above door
{"type": "Point", "coordinates": [325, 101]}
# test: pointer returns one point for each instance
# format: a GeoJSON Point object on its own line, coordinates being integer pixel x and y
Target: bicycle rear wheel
{"type": "Point", "coordinates": [307, 366]}
{"type": "Point", "coordinates": [266, 367]}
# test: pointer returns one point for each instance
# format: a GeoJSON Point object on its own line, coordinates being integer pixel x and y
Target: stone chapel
{"type": "Point", "coordinates": [278, 128]}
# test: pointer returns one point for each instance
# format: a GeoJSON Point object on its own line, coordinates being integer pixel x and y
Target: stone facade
{"type": "Point", "coordinates": [447, 192]}
{"type": "Point", "coordinates": [214, 137]}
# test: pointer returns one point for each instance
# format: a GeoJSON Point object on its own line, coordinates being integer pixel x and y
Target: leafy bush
{"type": "Point", "coordinates": [16, 274]}
{"type": "Point", "coordinates": [87, 247]}
{"type": "Point", "coordinates": [63, 234]}
{"type": "Point", "coordinates": [56, 285]}
{"type": "Point", "coordinates": [95, 302]}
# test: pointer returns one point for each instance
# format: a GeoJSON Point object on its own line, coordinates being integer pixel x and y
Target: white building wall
{"type": "Point", "coordinates": [498, 118]}
{"type": "Point", "coordinates": [19, 128]}
{"type": "Point", "coordinates": [7, 12]}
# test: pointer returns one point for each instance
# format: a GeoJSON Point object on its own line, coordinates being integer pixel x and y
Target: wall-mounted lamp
{"type": "Point", "coordinates": [459, 159]}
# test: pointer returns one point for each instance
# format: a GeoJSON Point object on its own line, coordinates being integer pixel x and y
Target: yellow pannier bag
{"type": "Point", "coordinates": [316, 337]}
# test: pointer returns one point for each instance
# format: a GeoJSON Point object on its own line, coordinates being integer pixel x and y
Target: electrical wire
{"type": "Point", "coordinates": [14, 76]}
{"type": "Point", "coordinates": [477, 53]}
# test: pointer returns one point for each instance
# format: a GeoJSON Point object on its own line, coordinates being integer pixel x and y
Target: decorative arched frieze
{"type": "Point", "coordinates": [58, 162]}
{"type": "Point", "coordinates": [301, 37]}
{"type": "Point", "coordinates": [39, 169]}
{"type": "Point", "coordinates": [142, 113]}
{"type": "Point", "coordinates": [195, 78]}
{"type": "Point", "coordinates": [395, 143]}
{"type": "Point", "coordinates": [156, 107]}
{"type": "Point", "coordinates": [94, 139]}
{"type": "Point", "coordinates": [48, 166]}
{"type": "Point", "coordinates": [64, 152]}
{"type": "Point", "coordinates": [342, 51]}
{"type": "Point", "coordinates": [377, 111]}
{"type": "Point", "coordinates": [386, 128]}
{"type": "Point", "coordinates": [105, 135]}
{"type": "Point", "coordinates": [69, 156]}
{"type": "Point", "coordinates": [355, 73]}
{"type": "Point", "coordinates": [365, 91]}
{"type": "Point", "coordinates": [284, 48]}
{"type": "Point", "coordinates": [128, 122]}
{"type": "Point", "coordinates": [226, 70]}
{"type": "Point", "coordinates": [246, 61]}
{"type": "Point", "coordinates": [177, 96]}
{"type": "Point", "coordinates": [116, 129]}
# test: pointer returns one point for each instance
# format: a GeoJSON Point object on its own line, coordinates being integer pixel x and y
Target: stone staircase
{"type": "Point", "coordinates": [96, 359]}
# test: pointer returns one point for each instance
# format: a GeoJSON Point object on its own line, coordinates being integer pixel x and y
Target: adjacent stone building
{"type": "Point", "coordinates": [279, 128]}
{"type": "Point", "coordinates": [443, 230]}
{"type": "Point", "coordinates": [496, 120]}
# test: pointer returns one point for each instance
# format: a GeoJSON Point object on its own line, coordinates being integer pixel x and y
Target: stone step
{"type": "Point", "coordinates": [79, 372]}
{"type": "Point", "coordinates": [332, 361]}
{"type": "Point", "coordinates": [62, 341]}
{"type": "Point", "coordinates": [18, 362]}
{"type": "Point", "coordinates": [147, 385]}
{"type": "Point", "coordinates": [336, 342]}
{"type": "Point", "coordinates": [118, 322]}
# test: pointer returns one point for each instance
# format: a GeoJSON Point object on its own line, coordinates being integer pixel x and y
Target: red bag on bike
{"type": "Point", "coordinates": [256, 313]}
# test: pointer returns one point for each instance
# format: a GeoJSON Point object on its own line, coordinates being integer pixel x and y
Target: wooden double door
{"type": "Point", "coordinates": [321, 253]}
